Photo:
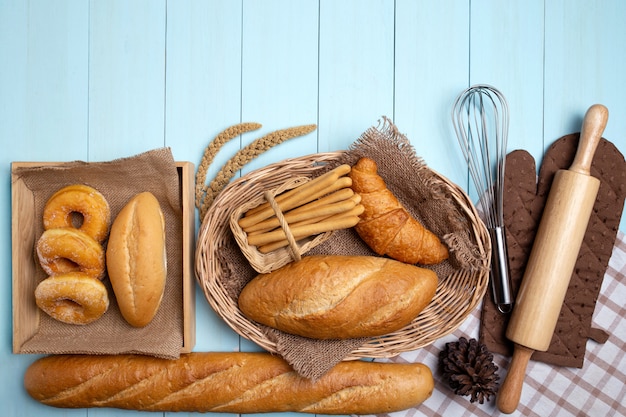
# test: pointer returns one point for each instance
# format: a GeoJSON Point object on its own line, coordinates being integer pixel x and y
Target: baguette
{"type": "Point", "coordinates": [339, 297]}
{"type": "Point", "coordinates": [386, 226]}
{"type": "Point", "coordinates": [136, 259]}
{"type": "Point", "coordinates": [225, 383]}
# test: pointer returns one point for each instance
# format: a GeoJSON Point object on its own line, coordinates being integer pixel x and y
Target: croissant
{"type": "Point", "coordinates": [385, 225]}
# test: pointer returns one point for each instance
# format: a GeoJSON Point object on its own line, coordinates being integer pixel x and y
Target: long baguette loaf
{"type": "Point", "coordinates": [224, 382]}
{"type": "Point", "coordinates": [339, 297]}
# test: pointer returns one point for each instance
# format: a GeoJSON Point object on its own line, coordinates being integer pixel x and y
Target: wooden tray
{"type": "Point", "coordinates": [26, 314]}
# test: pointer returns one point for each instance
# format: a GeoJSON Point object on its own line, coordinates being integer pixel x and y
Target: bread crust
{"type": "Point", "coordinates": [339, 297]}
{"type": "Point", "coordinates": [136, 259]}
{"type": "Point", "coordinates": [64, 250]}
{"type": "Point", "coordinates": [224, 382]}
{"type": "Point", "coordinates": [386, 226]}
{"type": "Point", "coordinates": [73, 298]}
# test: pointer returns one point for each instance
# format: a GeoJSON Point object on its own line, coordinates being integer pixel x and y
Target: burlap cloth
{"type": "Point", "coordinates": [118, 181]}
{"type": "Point", "coordinates": [420, 191]}
{"type": "Point", "coordinates": [524, 199]}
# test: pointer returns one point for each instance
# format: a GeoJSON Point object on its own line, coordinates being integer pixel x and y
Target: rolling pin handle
{"type": "Point", "coordinates": [511, 389]}
{"type": "Point", "coordinates": [593, 126]}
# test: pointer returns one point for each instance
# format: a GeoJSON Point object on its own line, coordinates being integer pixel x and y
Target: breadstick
{"type": "Point", "coordinates": [355, 198]}
{"type": "Point", "coordinates": [313, 213]}
{"type": "Point", "coordinates": [334, 173]}
{"type": "Point", "coordinates": [338, 218]}
{"type": "Point", "coordinates": [319, 203]}
{"type": "Point", "coordinates": [301, 231]}
{"type": "Point", "coordinates": [334, 197]}
{"type": "Point", "coordinates": [356, 211]}
{"type": "Point", "coordinates": [324, 187]}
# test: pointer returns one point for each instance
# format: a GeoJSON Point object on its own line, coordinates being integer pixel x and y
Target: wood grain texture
{"type": "Point", "coordinates": [427, 53]}
{"type": "Point", "coordinates": [203, 96]}
{"type": "Point", "coordinates": [126, 77]}
{"type": "Point", "coordinates": [356, 69]}
{"type": "Point", "coordinates": [279, 73]}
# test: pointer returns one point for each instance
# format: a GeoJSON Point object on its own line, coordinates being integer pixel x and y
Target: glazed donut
{"type": "Point", "coordinates": [73, 298]}
{"type": "Point", "coordinates": [69, 250]}
{"type": "Point", "coordinates": [84, 200]}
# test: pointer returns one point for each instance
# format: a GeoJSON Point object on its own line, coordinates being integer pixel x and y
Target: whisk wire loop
{"type": "Point", "coordinates": [481, 114]}
{"type": "Point", "coordinates": [481, 122]}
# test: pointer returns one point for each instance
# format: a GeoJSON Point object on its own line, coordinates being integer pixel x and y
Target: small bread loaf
{"type": "Point", "coordinates": [225, 383]}
{"type": "Point", "coordinates": [339, 297]}
{"type": "Point", "coordinates": [136, 259]}
{"type": "Point", "coordinates": [386, 226]}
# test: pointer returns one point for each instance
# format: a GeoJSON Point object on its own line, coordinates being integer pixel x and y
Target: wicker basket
{"type": "Point", "coordinates": [267, 262]}
{"type": "Point", "coordinates": [456, 297]}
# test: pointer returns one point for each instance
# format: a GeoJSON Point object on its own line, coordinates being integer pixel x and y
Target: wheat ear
{"type": "Point", "coordinates": [211, 151]}
{"type": "Point", "coordinates": [242, 157]}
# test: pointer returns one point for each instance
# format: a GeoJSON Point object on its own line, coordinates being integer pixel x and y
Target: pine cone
{"type": "Point", "coordinates": [468, 368]}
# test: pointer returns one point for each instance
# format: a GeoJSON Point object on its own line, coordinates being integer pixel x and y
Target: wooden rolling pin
{"type": "Point", "coordinates": [552, 258]}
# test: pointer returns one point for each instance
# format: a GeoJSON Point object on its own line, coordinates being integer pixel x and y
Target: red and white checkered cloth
{"type": "Point", "coordinates": [596, 389]}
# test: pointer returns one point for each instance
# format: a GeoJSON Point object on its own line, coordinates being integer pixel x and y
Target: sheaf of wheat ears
{"type": "Point", "coordinates": [211, 151]}
{"type": "Point", "coordinates": [245, 155]}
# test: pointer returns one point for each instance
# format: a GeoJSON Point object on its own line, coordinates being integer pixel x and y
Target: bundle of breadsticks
{"type": "Point", "coordinates": [324, 204]}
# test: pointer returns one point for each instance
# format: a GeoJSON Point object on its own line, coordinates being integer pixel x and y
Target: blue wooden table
{"type": "Point", "coordinates": [98, 80]}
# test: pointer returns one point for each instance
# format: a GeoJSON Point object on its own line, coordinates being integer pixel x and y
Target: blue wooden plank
{"type": "Point", "coordinates": [126, 77]}
{"type": "Point", "coordinates": [430, 71]}
{"type": "Point", "coordinates": [507, 52]}
{"type": "Point", "coordinates": [203, 91]}
{"type": "Point", "coordinates": [44, 82]}
{"type": "Point", "coordinates": [585, 64]}
{"type": "Point", "coordinates": [203, 80]}
{"type": "Point", "coordinates": [279, 73]}
{"type": "Point", "coordinates": [43, 117]}
{"type": "Point", "coordinates": [356, 69]}
{"type": "Point", "coordinates": [279, 79]}
{"type": "Point", "coordinates": [126, 86]}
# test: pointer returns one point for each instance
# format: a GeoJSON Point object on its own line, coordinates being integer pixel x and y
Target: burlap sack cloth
{"type": "Point", "coordinates": [421, 192]}
{"type": "Point", "coordinates": [118, 181]}
{"type": "Point", "coordinates": [524, 200]}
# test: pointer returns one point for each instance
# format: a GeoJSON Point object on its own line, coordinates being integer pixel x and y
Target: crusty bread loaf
{"type": "Point", "coordinates": [339, 297]}
{"type": "Point", "coordinates": [136, 259]}
{"type": "Point", "coordinates": [386, 226]}
{"type": "Point", "coordinates": [224, 382]}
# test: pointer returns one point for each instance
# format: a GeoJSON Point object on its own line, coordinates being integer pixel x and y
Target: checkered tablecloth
{"type": "Point", "coordinates": [596, 389]}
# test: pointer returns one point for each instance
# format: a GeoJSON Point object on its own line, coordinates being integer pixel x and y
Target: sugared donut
{"type": "Point", "coordinates": [69, 250]}
{"type": "Point", "coordinates": [74, 298]}
{"type": "Point", "coordinates": [82, 199]}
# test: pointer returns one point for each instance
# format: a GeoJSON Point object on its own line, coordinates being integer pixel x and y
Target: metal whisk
{"type": "Point", "coordinates": [481, 121]}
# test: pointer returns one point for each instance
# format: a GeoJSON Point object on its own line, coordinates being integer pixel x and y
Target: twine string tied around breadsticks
{"type": "Point", "coordinates": [293, 246]}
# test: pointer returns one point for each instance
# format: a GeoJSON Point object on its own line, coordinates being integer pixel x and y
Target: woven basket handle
{"type": "Point", "coordinates": [293, 245]}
